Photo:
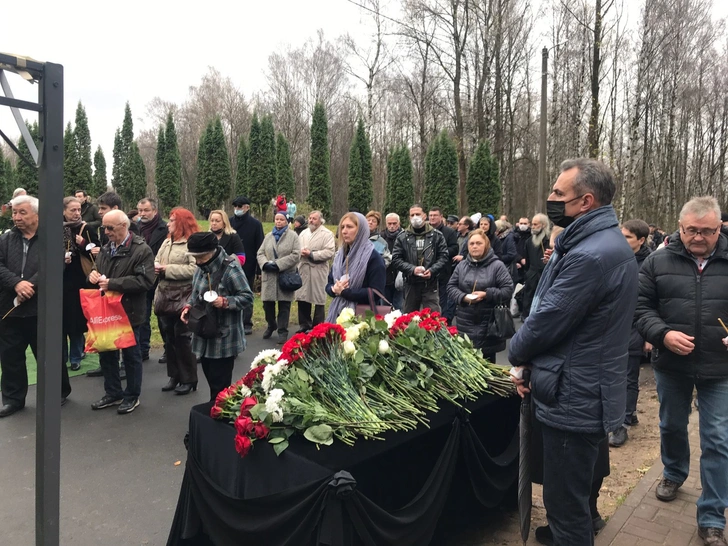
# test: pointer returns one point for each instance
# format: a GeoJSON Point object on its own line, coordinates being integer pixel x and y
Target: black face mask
{"type": "Point", "coordinates": [216, 231]}
{"type": "Point", "coordinates": [555, 210]}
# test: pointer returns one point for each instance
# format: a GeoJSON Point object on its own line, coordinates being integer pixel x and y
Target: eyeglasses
{"type": "Point", "coordinates": [693, 232]}
{"type": "Point", "coordinates": [110, 228]}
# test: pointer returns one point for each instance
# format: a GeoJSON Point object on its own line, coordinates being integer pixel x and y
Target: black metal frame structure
{"type": "Point", "coordinates": [49, 160]}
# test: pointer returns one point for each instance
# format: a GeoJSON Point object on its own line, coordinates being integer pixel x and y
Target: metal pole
{"type": "Point", "coordinates": [50, 309]}
{"type": "Point", "coordinates": [542, 143]}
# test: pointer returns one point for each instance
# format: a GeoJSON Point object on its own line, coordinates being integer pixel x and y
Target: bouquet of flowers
{"type": "Point", "coordinates": [357, 378]}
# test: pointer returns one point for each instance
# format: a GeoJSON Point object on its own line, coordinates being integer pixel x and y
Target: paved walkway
{"type": "Point", "coordinates": [645, 521]}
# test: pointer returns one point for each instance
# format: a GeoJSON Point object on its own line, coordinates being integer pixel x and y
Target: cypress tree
{"type": "Point", "coordinates": [400, 186]}
{"type": "Point", "coordinates": [99, 184]}
{"type": "Point", "coordinates": [27, 176]}
{"type": "Point", "coordinates": [360, 171]}
{"type": "Point", "coordinates": [319, 178]}
{"type": "Point", "coordinates": [135, 176]}
{"type": "Point", "coordinates": [116, 159]}
{"type": "Point", "coordinates": [82, 138]}
{"type": "Point", "coordinates": [388, 203]}
{"type": "Point", "coordinates": [284, 170]}
{"type": "Point", "coordinates": [257, 191]}
{"type": "Point", "coordinates": [202, 176]}
{"type": "Point", "coordinates": [267, 157]}
{"type": "Point", "coordinates": [213, 184]}
{"type": "Point", "coordinates": [161, 157]}
{"type": "Point", "coordinates": [441, 175]}
{"type": "Point", "coordinates": [483, 188]}
{"type": "Point", "coordinates": [242, 177]}
{"type": "Point", "coordinates": [126, 170]}
{"type": "Point", "coordinates": [70, 165]}
{"type": "Point", "coordinates": [170, 184]}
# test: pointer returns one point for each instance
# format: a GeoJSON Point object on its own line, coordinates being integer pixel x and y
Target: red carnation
{"type": "Point", "coordinates": [261, 431]}
{"type": "Point", "coordinates": [244, 425]}
{"type": "Point", "coordinates": [216, 412]}
{"type": "Point", "coordinates": [242, 444]}
{"type": "Point", "coordinates": [248, 403]}
{"type": "Point", "coordinates": [453, 330]}
{"type": "Point", "coordinates": [256, 374]}
{"type": "Point", "coordinates": [378, 317]}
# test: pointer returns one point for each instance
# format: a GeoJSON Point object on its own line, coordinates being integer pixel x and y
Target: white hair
{"type": "Point", "coordinates": [392, 215]}
{"type": "Point", "coordinates": [22, 199]}
{"type": "Point", "coordinates": [701, 207]}
{"type": "Point", "coordinates": [19, 191]}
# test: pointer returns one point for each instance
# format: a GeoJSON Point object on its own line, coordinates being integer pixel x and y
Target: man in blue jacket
{"type": "Point", "coordinates": [576, 342]}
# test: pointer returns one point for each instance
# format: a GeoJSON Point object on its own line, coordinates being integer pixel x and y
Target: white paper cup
{"type": "Point", "coordinates": [471, 297]}
{"type": "Point", "coordinates": [209, 296]}
{"type": "Point", "coordinates": [68, 254]}
{"type": "Point", "coordinates": [344, 278]}
{"type": "Point", "coordinates": [90, 246]}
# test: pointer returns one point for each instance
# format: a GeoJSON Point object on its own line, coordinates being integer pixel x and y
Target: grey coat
{"type": "Point", "coordinates": [288, 249]}
{"type": "Point", "coordinates": [314, 269]}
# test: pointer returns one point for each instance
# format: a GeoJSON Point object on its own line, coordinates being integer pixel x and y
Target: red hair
{"type": "Point", "coordinates": [185, 223]}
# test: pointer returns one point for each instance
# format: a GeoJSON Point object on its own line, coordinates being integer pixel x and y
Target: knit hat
{"type": "Point", "coordinates": [201, 243]}
{"type": "Point", "coordinates": [301, 219]}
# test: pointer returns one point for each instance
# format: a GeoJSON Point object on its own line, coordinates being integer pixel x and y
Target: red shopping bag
{"type": "Point", "coordinates": [109, 328]}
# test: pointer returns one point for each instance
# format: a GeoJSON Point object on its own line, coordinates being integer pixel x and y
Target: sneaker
{"type": "Point", "coordinates": [75, 366]}
{"type": "Point", "coordinates": [96, 372]}
{"type": "Point", "coordinates": [667, 490]}
{"type": "Point", "coordinates": [163, 359]}
{"type": "Point", "coordinates": [106, 402]}
{"type": "Point", "coordinates": [128, 405]}
{"type": "Point", "coordinates": [619, 437]}
{"type": "Point", "coordinates": [712, 536]}
{"type": "Point", "coordinates": [248, 331]}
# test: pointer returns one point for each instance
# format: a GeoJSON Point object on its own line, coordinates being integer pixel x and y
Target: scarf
{"type": "Point", "coordinates": [70, 230]}
{"type": "Point", "coordinates": [277, 233]}
{"type": "Point", "coordinates": [354, 259]}
{"type": "Point", "coordinates": [146, 229]}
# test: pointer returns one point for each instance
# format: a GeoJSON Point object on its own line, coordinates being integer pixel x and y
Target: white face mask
{"type": "Point", "coordinates": [417, 222]}
{"type": "Point", "coordinates": [523, 227]}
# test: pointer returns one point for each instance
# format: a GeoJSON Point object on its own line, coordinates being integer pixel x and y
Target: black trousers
{"type": "Point", "coordinates": [304, 315]}
{"type": "Point", "coordinates": [248, 310]}
{"type": "Point", "coordinates": [633, 387]}
{"type": "Point", "coordinates": [219, 373]}
{"type": "Point", "coordinates": [284, 314]}
{"type": "Point", "coordinates": [16, 334]}
{"type": "Point", "coordinates": [181, 361]}
{"type": "Point", "coordinates": [569, 461]}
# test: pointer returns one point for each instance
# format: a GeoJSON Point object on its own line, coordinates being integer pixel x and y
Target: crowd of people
{"type": "Point", "coordinates": [597, 299]}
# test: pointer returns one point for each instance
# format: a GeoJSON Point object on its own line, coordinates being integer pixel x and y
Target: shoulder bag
{"type": "Point", "coordinates": [501, 324]}
{"type": "Point", "coordinates": [202, 316]}
{"type": "Point", "coordinates": [289, 280]}
{"type": "Point", "coordinates": [362, 308]}
{"type": "Point", "coordinates": [170, 300]}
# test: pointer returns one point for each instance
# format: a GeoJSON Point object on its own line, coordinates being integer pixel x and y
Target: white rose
{"type": "Point", "coordinates": [352, 333]}
{"type": "Point", "coordinates": [347, 313]}
{"type": "Point", "coordinates": [349, 347]}
{"type": "Point", "coordinates": [384, 347]}
{"type": "Point", "coordinates": [390, 318]}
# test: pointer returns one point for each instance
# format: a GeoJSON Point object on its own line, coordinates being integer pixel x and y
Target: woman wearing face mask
{"type": "Point", "coordinates": [478, 284]}
{"type": "Point", "coordinates": [227, 237]}
{"type": "Point", "coordinates": [536, 247]}
{"type": "Point", "coordinates": [280, 251]}
{"type": "Point", "coordinates": [357, 266]}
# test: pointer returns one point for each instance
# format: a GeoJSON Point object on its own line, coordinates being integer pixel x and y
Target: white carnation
{"type": "Point", "coordinates": [270, 372]}
{"type": "Point", "coordinates": [384, 347]}
{"type": "Point", "coordinates": [273, 405]}
{"type": "Point", "coordinates": [269, 355]}
{"type": "Point", "coordinates": [244, 391]}
{"type": "Point", "coordinates": [391, 317]}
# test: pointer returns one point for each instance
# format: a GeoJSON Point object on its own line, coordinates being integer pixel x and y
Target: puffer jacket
{"type": "Point", "coordinates": [636, 341]}
{"type": "Point", "coordinates": [577, 334]}
{"type": "Point", "coordinates": [131, 272]}
{"type": "Point", "coordinates": [674, 296]}
{"type": "Point", "coordinates": [488, 274]}
{"type": "Point", "coordinates": [12, 272]}
{"type": "Point", "coordinates": [435, 256]}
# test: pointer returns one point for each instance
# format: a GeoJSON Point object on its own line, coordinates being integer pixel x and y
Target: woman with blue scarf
{"type": "Point", "coordinates": [279, 252]}
{"type": "Point", "coordinates": [357, 266]}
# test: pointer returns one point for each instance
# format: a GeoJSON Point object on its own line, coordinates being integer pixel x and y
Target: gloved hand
{"type": "Point", "coordinates": [271, 267]}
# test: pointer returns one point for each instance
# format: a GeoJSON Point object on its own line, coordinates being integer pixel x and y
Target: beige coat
{"type": "Point", "coordinates": [289, 252]}
{"type": "Point", "coordinates": [314, 270]}
{"type": "Point", "coordinates": [180, 267]}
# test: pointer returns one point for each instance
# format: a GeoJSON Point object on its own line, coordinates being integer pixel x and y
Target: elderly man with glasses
{"type": "Point", "coordinates": [682, 297]}
{"type": "Point", "coordinates": [126, 265]}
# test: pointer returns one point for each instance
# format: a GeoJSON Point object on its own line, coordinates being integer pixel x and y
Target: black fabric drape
{"type": "Point", "coordinates": [374, 494]}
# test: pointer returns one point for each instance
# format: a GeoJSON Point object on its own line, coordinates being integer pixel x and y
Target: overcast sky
{"type": "Point", "coordinates": [137, 50]}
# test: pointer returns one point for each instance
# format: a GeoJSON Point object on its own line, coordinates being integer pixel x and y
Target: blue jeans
{"type": "Point", "coordinates": [76, 343]}
{"type": "Point", "coordinates": [109, 361]}
{"type": "Point", "coordinates": [675, 394]}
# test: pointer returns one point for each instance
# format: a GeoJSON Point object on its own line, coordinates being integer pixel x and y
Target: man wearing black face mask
{"type": "Point", "coordinates": [251, 233]}
{"type": "Point", "coordinates": [576, 342]}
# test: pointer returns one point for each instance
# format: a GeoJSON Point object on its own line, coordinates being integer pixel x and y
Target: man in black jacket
{"type": "Point", "coordinates": [154, 231]}
{"type": "Point", "coordinates": [251, 233]}
{"type": "Point", "coordinates": [437, 221]}
{"type": "Point", "coordinates": [420, 253]}
{"type": "Point", "coordinates": [126, 265]}
{"type": "Point", "coordinates": [682, 296]}
{"type": "Point", "coordinates": [89, 211]}
{"type": "Point", "coordinates": [19, 262]}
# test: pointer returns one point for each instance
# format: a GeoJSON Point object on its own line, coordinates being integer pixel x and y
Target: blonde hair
{"type": "Point", "coordinates": [481, 233]}
{"type": "Point", "coordinates": [228, 229]}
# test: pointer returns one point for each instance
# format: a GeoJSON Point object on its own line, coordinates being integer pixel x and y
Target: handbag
{"type": "Point", "coordinates": [288, 281]}
{"type": "Point", "coordinates": [202, 318]}
{"type": "Point", "coordinates": [362, 308]}
{"type": "Point", "coordinates": [501, 324]}
{"type": "Point", "coordinates": [170, 300]}
{"type": "Point", "coordinates": [86, 264]}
